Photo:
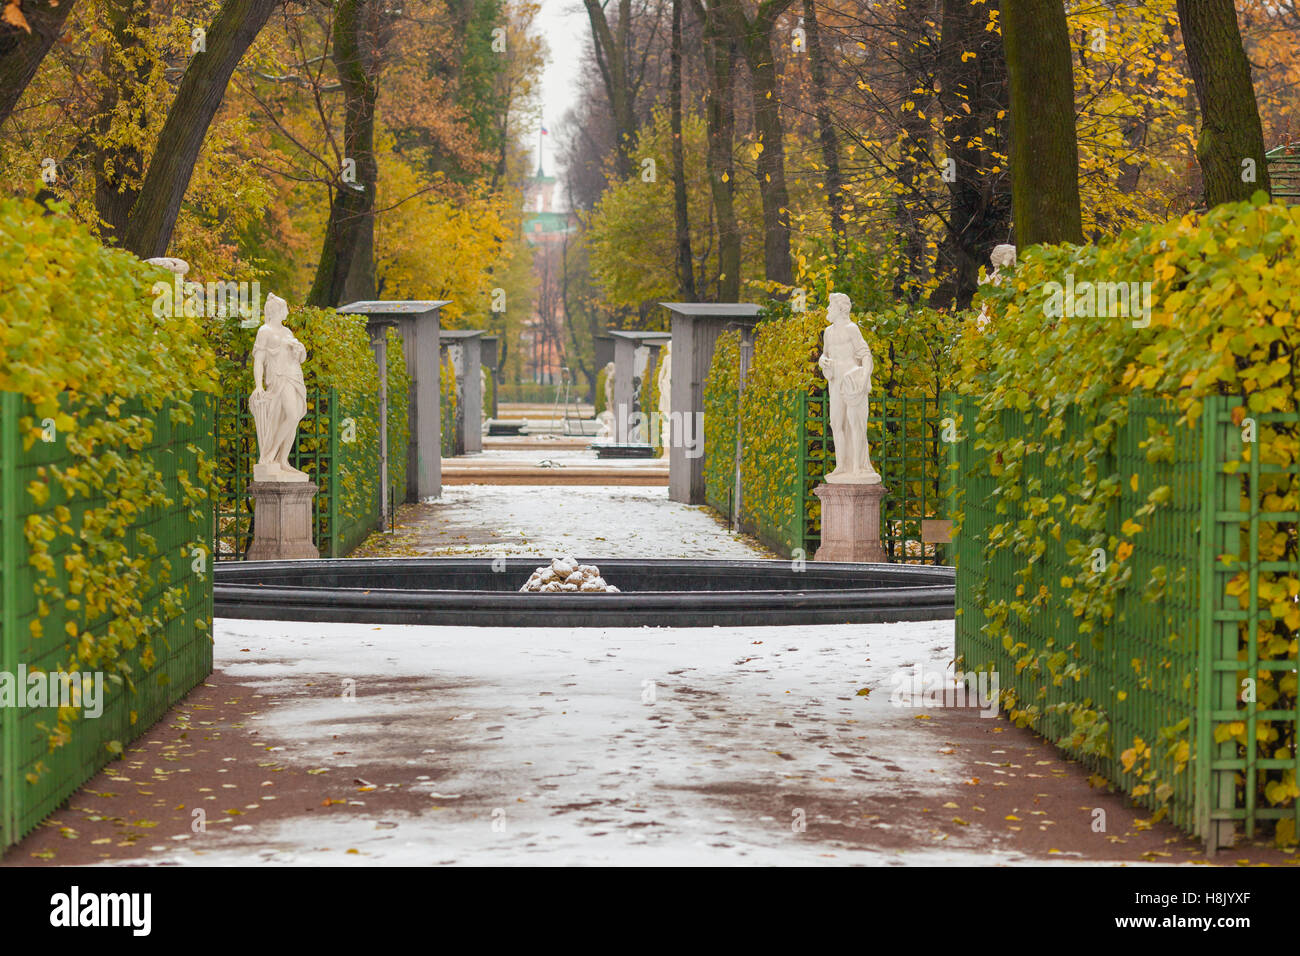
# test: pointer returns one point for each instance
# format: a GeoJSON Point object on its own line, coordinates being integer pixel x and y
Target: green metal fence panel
{"type": "Point", "coordinates": [1093, 692]}
{"type": "Point", "coordinates": [1168, 668]}
{"type": "Point", "coordinates": [10, 561]}
{"type": "Point", "coordinates": [814, 461]}
{"type": "Point", "coordinates": [721, 418]}
{"type": "Point", "coordinates": [1246, 664]}
{"type": "Point", "coordinates": [1284, 171]}
{"type": "Point", "coordinates": [778, 505]}
{"type": "Point", "coordinates": [36, 776]}
{"type": "Point", "coordinates": [1148, 672]}
{"type": "Point", "coordinates": [326, 450]}
{"type": "Point", "coordinates": [904, 433]}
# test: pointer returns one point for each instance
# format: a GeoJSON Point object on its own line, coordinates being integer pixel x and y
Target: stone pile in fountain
{"type": "Point", "coordinates": [566, 574]}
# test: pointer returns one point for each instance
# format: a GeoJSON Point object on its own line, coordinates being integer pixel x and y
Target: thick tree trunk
{"type": "Point", "coordinates": [757, 44]}
{"type": "Point", "coordinates": [825, 131]}
{"type": "Point", "coordinates": [612, 56]}
{"type": "Point", "coordinates": [199, 96]}
{"type": "Point", "coordinates": [1231, 145]}
{"type": "Point", "coordinates": [973, 93]}
{"type": "Point", "coordinates": [685, 261]}
{"type": "Point", "coordinates": [346, 271]}
{"type": "Point", "coordinates": [914, 151]}
{"type": "Point", "coordinates": [21, 52]}
{"type": "Point", "coordinates": [1044, 145]}
{"type": "Point", "coordinates": [118, 166]}
{"type": "Point", "coordinates": [720, 119]}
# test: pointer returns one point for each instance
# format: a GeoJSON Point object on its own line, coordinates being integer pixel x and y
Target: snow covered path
{"type": "Point", "coordinates": [546, 520]}
{"type": "Point", "coordinates": [365, 745]}
{"type": "Point", "coordinates": [596, 746]}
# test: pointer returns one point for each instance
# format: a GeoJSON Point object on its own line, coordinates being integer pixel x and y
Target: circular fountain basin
{"type": "Point", "coordinates": [484, 592]}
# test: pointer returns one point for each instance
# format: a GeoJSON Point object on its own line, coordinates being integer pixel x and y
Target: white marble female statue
{"type": "Point", "coordinates": [846, 363]}
{"type": "Point", "coordinates": [665, 393]}
{"type": "Point", "coordinates": [280, 404]}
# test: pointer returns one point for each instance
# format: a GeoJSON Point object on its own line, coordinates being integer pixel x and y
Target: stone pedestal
{"type": "Point", "coordinates": [282, 525]}
{"type": "Point", "coordinates": [850, 522]}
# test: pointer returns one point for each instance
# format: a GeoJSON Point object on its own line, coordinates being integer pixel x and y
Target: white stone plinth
{"type": "Point", "coordinates": [850, 522]}
{"type": "Point", "coordinates": [282, 525]}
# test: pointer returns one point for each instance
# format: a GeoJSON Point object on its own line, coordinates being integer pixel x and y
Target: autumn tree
{"type": "Point", "coordinates": [973, 96]}
{"type": "Point", "coordinates": [27, 31]}
{"type": "Point", "coordinates": [1044, 148]}
{"type": "Point", "coordinates": [754, 37]}
{"type": "Point", "coordinates": [826, 134]}
{"type": "Point", "coordinates": [346, 270]}
{"type": "Point", "coordinates": [720, 113]}
{"type": "Point", "coordinates": [622, 63]}
{"type": "Point", "coordinates": [1231, 143]}
{"type": "Point", "coordinates": [681, 218]}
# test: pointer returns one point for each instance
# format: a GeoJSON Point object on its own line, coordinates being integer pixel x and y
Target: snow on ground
{"type": "Point", "coordinates": [564, 456]}
{"type": "Point", "coordinates": [597, 746]}
{"type": "Point", "coordinates": [546, 520]}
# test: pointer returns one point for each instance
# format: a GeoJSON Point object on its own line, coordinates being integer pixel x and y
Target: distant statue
{"type": "Point", "coordinates": [665, 384]}
{"type": "Point", "coordinates": [609, 387]}
{"type": "Point", "coordinates": [1002, 257]}
{"type": "Point", "coordinates": [171, 264]}
{"type": "Point", "coordinates": [846, 362]}
{"type": "Point", "coordinates": [279, 404]}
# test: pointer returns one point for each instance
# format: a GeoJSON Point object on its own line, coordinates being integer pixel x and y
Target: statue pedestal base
{"type": "Point", "coordinates": [850, 522]}
{"type": "Point", "coordinates": [282, 525]}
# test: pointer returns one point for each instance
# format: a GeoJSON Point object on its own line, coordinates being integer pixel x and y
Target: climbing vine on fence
{"type": "Point", "coordinates": [1223, 291]}
{"type": "Point", "coordinates": [450, 418]}
{"type": "Point", "coordinates": [339, 356]}
{"type": "Point", "coordinates": [399, 410]}
{"type": "Point", "coordinates": [786, 448]}
{"type": "Point", "coordinates": [81, 341]}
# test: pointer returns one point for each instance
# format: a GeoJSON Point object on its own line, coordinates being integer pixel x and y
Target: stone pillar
{"type": "Point", "coordinates": [424, 461]}
{"type": "Point", "coordinates": [471, 395]}
{"type": "Point", "coordinates": [850, 522]}
{"type": "Point", "coordinates": [282, 525]}
{"type": "Point", "coordinates": [694, 338]}
{"type": "Point", "coordinates": [695, 330]}
{"type": "Point", "coordinates": [624, 397]}
{"type": "Point", "coordinates": [418, 322]}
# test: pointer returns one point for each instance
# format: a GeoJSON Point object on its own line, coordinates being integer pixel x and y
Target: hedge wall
{"type": "Point", "coordinates": [786, 442]}
{"type": "Point", "coordinates": [339, 357]}
{"type": "Point", "coordinates": [105, 514]}
{"type": "Point", "coordinates": [1223, 291]}
{"type": "Point", "coordinates": [449, 407]}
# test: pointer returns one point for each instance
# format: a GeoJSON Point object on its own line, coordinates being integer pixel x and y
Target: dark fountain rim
{"type": "Point", "coordinates": [921, 593]}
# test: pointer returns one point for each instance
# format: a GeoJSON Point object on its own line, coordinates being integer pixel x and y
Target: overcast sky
{"type": "Point", "coordinates": [565, 28]}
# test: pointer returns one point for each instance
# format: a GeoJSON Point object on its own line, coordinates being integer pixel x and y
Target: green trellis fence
{"type": "Point", "coordinates": [346, 508]}
{"type": "Point", "coordinates": [1170, 667]}
{"type": "Point", "coordinates": [904, 431]}
{"type": "Point", "coordinates": [36, 777]}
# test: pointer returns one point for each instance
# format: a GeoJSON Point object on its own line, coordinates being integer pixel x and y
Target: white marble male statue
{"type": "Point", "coordinates": [279, 404]}
{"type": "Point", "coordinates": [846, 363]}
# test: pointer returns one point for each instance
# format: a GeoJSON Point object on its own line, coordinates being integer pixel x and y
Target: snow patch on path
{"type": "Point", "coordinates": [550, 520]}
{"type": "Point", "coordinates": [600, 745]}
